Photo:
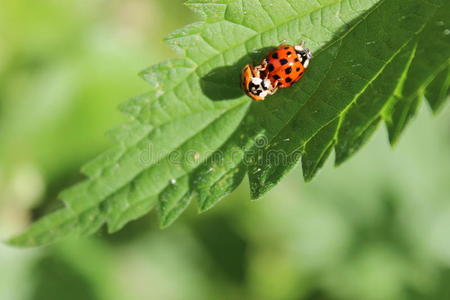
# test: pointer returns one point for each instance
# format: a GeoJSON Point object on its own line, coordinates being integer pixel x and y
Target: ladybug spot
{"type": "Point", "coordinates": [298, 69]}
{"type": "Point", "coordinates": [271, 67]}
{"type": "Point", "coordinates": [297, 59]}
{"type": "Point", "coordinates": [263, 85]}
{"type": "Point", "coordinates": [289, 53]}
{"type": "Point", "coordinates": [301, 73]}
{"type": "Point", "coordinates": [276, 77]}
{"type": "Point", "coordinates": [287, 47]}
{"type": "Point", "coordinates": [289, 79]}
{"type": "Point", "coordinates": [283, 61]}
{"type": "Point", "coordinates": [288, 70]}
{"type": "Point", "coordinates": [275, 55]}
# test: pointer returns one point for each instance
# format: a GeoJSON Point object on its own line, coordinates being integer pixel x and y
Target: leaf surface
{"type": "Point", "coordinates": [194, 135]}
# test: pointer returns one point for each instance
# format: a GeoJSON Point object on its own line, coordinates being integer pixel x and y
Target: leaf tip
{"type": "Point", "coordinates": [307, 177]}
{"type": "Point", "coordinates": [203, 206]}
{"type": "Point", "coordinates": [259, 191]}
{"type": "Point", "coordinates": [164, 223]}
{"type": "Point", "coordinates": [22, 240]}
{"type": "Point", "coordinates": [393, 139]}
{"type": "Point", "coordinates": [340, 157]}
{"type": "Point", "coordinates": [208, 10]}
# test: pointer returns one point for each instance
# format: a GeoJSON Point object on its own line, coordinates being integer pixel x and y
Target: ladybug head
{"type": "Point", "coordinates": [304, 54]}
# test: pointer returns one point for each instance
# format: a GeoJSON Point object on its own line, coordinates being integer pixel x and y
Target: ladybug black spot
{"type": "Point", "coordinates": [297, 59]}
{"type": "Point", "coordinates": [271, 67]}
{"type": "Point", "coordinates": [289, 53]}
{"type": "Point", "coordinates": [287, 47]}
{"type": "Point", "coordinates": [288, 70]}
{"type": "Point", "coordinates": [263, 85]}
{"type": "Point", "coordinates": [276, 77]}
{"type": "Point", "coordinates": [298, 69]}
{"type": "Point", "coordinates": [283, 61]}
{"type": "Point", "coordinates": [275, 55]}
{"type": "Point", "coordinates": [289, 79]}
{"type": "Point", "coordinates": [301, 73]}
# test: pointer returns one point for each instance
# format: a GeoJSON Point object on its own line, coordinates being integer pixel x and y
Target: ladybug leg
{"type": "Point", "coordinates": [264, 63]}
{"type": "Point", "coordinates": [263, 66]}
{"type": "Point", "coordinates": [300, 47]}
{"type": "Point", "coordinates": [256, 72]}
{"type": "Point", "coordinates": [275, 88]}
{"type": "Point", "coordinates": [273, 91]}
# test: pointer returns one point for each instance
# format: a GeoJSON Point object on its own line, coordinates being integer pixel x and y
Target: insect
{"type": "Point", "coordinates": [254, 85]}
{"type": "Point", "coordinates": [286, 65]}
{"type": "Point", "coordinates": [281, 68]}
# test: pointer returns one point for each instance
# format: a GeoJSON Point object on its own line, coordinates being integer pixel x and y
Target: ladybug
{"type": "Point", "coordinates": [285, 65]}
{"type": "Point", "coordinates": [254, 85]}
{"type": "Point", "coordinates": [281, 68]}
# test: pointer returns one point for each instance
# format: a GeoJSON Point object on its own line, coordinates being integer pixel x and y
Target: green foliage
{"type": "Point", "coordinates": [194, 135]}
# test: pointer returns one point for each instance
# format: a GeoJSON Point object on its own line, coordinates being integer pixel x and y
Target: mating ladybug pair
{"type": "Point", "coordinates": [281, 68]}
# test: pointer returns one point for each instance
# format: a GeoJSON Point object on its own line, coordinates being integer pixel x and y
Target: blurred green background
{"type": "Point", "coordinates": [376, 228]}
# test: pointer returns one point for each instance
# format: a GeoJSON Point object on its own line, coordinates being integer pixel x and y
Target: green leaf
{"type": "Point", "coordinates": [439, 89]}
{"type": "Point", "coordinates": [363, 115]}
{"type": "Point", "coordinates": [359, 64]}
{"type": "Point", "coordinates": [194, 135]}
{"type": "Point", "coordinates": [433, 48]}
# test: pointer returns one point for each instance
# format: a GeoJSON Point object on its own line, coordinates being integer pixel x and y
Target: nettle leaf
{"type": "Point", "coordinates": [194, 135]}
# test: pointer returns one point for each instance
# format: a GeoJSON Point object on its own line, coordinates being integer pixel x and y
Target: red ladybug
{"type": "Point", "coordinates": [285, 65]}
